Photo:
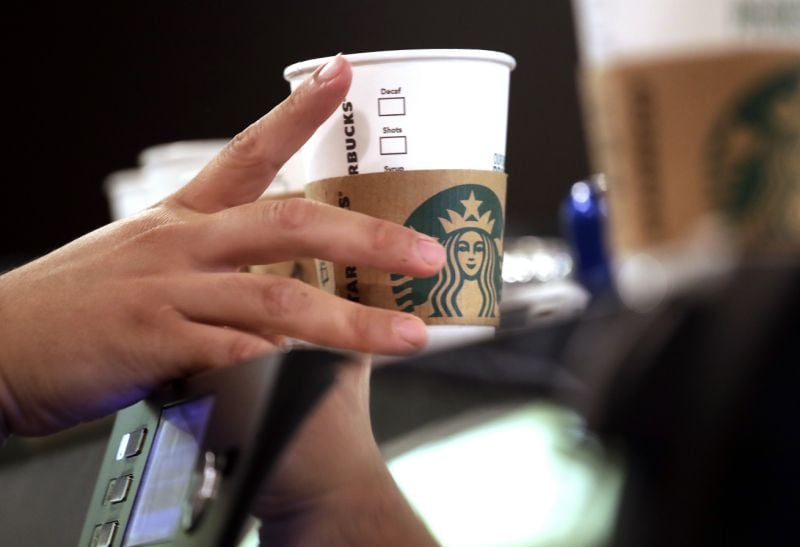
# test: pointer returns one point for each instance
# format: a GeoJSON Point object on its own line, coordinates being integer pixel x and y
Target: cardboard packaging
{"type": "Point", "coordinates": [463, 209]}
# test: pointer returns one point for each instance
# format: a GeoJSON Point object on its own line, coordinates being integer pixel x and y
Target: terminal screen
{"type": "Point", "coordinates": [168, 472]}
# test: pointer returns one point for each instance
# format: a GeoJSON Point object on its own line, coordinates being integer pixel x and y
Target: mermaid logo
{"type": "Point", "coordinates": [468, 221]}
{"type": "Point", "coordinates": [754, 154]}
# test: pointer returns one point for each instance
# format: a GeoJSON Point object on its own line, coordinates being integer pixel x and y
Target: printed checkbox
{"type": "Point", "coordinates": [392, 146]}
{"type": "Point", "coordinates": [392, 106]}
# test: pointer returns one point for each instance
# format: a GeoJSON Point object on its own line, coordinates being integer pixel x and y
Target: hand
{"type": "Point", "coordinates": [331, 486]}
{"type": "Point", "coordinates": [101, 322]}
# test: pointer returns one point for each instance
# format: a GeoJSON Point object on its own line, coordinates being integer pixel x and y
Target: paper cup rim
{"type": "Point", "coordinates": [295, 70]}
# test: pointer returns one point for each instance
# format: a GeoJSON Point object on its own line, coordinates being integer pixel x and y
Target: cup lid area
{"type": "Point", "coordinates": [301, 69]}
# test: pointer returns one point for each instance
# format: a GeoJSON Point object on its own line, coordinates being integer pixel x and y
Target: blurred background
{"type": "Point", "coordinates": [87, 91]}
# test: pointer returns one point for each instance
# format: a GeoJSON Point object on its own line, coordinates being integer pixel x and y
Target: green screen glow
{"type": "Point", "coordinates": [528, 478]}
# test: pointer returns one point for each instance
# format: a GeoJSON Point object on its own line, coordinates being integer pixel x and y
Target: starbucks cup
{"type": "Point", "coordinates": [693, 111]}
{"type": "Point", "coordinates": [420, 140]}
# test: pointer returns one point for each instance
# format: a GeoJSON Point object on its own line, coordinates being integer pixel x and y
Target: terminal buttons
{"type": "Point", "coordinates": [131, 443]}
{"type": "Point", "coordinates": [103, 535]}
{"type": "Point", "coordinates": [118, 488]}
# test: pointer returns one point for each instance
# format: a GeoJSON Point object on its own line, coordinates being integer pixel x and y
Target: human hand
{"type": "Point", "coordinates": [101, 322]}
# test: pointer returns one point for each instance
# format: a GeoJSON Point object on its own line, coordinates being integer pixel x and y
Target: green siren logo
{"type": "Point", "coordinates": [468, 221]}
{"type": "Point", "coordinates": [754, 154]}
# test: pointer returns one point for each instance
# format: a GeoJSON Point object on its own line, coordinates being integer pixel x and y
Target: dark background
{"type": "Point", "coordinates": [87, 90]}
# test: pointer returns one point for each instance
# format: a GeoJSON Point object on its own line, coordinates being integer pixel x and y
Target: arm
{"type": "Point", "coordinates": [331, 486]}
{"type": "Point", "coordinates": [98, 324]}
{"type": "Point", "coordinates": [375, 513]}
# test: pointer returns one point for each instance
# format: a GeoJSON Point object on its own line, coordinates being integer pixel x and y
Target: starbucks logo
{"type": "Point", "coordinates": [468, 221]}
{"type": "Point", "coordinates": [754, 154]}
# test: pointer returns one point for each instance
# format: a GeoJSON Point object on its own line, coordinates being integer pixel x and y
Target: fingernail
{"type": "Point", "coordinates": [284, 344]}
{"type": "Point", "coordinates": [411, 330]}
{"type": "Point", "coordinates": [331, 69]}
{"type": "Point", "coordinates": [431, 252]}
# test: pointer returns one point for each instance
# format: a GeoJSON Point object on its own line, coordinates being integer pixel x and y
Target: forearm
{"type": "Point", "coordinates": [378, 515]}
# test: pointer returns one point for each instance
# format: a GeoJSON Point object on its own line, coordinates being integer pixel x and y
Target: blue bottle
{"type": "Point", "coordinates": [583, 220]}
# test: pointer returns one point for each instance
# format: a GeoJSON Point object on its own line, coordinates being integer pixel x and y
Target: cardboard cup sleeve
{"type": "Point", "coordinates": [463, 209]}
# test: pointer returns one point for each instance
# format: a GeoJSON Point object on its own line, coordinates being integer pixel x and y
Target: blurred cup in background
{"type": "Point", "coordinates": [163, 168]}
{"type": "Point", "coordinates": [693, 110]}
{"type": "Point", "coordinates": [167, 167]}
{"type": "Point", "coordinates": [126, 193]}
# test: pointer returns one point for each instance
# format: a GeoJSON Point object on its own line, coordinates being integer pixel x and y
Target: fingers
{"type": "Point", "coordinates": [208, 346]}
{"type": "Point", "coordinates": [244, 168]}
{"type": "Point", "coordinates": [266, 232]}
{"type": "Point", "coordinates": [267, 305]}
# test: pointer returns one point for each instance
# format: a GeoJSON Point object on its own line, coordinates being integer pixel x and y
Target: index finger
{"type": "Point", "coordinates": [244, 168]}
{"type": "Point", "coordinates": [271, 231]}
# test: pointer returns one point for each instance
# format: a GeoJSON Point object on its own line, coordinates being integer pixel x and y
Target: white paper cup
{"type": "Point", "coordinates": [689, 106]}
{"type": "Point", "coordinates": [415, 110]}
{"type": "Point", "coordinates": [289, 179]}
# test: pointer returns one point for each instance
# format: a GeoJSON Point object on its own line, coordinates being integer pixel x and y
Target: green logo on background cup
{"type": "Point", "coordinates": [468, 221]}
{"type": "Point", "coordinates": [755, 161]}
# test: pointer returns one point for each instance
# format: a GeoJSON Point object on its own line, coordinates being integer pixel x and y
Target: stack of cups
{"type": "Point", "coordinates": [163, 168]}
{"type": "Point", "coordinates": [167, 167]}
{"type": "Point", "coordinates": [693, 110]}
{"type": "Point", "coordinates": [126, 193]}
{"type": "Point", "coordinates": [420, 140]}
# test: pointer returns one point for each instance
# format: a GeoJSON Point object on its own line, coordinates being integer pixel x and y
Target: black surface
{"type": "Point", "coordinates": [703, 398]}
{"type": "Point", "coordinates": [519, 365]}
{"type": "Point", "coordinates": [86, 88]}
